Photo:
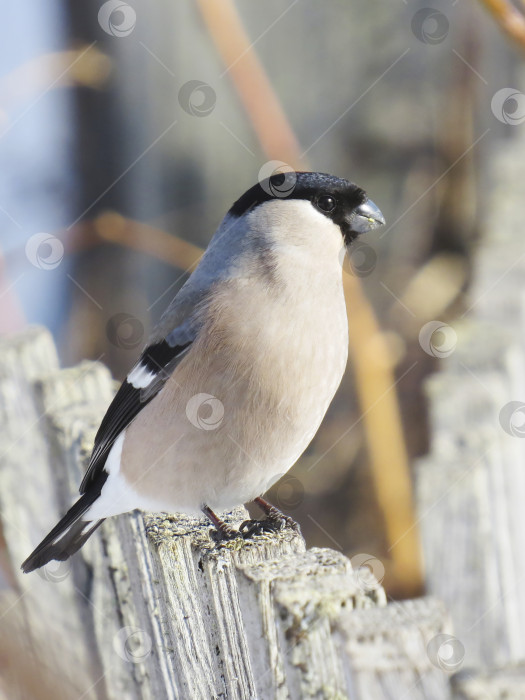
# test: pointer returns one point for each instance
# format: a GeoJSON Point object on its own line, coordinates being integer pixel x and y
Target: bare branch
{"type": "Point", "coordinates": [511, 21]}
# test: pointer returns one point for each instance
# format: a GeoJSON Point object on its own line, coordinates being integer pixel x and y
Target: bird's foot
{"type": "Point", "coordinates": [274, 515]}
{"type": "Point", "coordinates": [224, 534]}
{"type": "Point", "coordinates": [249, 528]}
{"type": "Point", "coordinates": [290, 522]}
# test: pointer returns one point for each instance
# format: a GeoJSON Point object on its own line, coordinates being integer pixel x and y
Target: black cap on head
{"type": "Point", "coordinates": [346, 204]}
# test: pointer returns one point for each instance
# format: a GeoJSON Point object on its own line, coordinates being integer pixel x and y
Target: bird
{"type": "Point", "coordinates": [238, 373]}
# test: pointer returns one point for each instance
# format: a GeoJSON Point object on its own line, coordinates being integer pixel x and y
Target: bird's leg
{"type": "Point", "coordinates": [222, 531]}
{"type": "Point", "coordinates": [274, 521]}
{"type": "Point", "coordinates": [273, 513]}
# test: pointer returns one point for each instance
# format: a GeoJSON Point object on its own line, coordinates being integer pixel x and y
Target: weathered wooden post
{"type": "Point", "coordinates": [153, 608]}
{"type": "Point", "coordinates": [471, 487]}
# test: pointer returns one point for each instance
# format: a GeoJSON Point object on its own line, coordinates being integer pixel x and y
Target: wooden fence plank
{"type": "Point", "coordinates": [153, 608]}
{"type": "Point", "coordinates": [29, 505]}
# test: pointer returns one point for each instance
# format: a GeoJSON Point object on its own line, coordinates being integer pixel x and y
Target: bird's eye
{"type": "Point", "coordinates": [326, 203]}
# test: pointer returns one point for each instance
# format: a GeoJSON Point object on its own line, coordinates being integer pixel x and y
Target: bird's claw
{"type": "Point", "coordinates": [225, 534]}
{"type": "Point", "coordinates": [249, 528]}
{"type": "Point", "coordinates": [290, 522]}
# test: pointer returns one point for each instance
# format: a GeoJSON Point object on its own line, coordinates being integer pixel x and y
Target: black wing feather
{"type": "Point", "coordinates": [127, 404]}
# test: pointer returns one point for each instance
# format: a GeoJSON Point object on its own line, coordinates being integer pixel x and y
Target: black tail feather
{"type": "Point", "coordinates": [68, 535]}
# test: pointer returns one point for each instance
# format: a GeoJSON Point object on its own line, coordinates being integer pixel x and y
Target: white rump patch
{"type": "Point", "coordinates": [118, 496]}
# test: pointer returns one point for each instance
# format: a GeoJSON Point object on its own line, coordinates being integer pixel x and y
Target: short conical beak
{"type": "Point", "coordinates": [366, 217]}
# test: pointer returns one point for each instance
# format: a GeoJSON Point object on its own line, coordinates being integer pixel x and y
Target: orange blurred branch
{"type": "Point", "coordinates": [511, 21]}
{"type": "Point", "coordinates": [264, 110]}
{"type": "Point", "coordinates": [376, 388]}
{"type": "Point", "coordinates": [114, 228]}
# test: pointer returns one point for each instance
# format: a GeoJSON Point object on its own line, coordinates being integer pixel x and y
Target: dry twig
{"type": "Point", "coordinates": [509, 18]}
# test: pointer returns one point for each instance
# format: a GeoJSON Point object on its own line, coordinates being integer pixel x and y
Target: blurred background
{"type": "Point", "coordinates": [127, 131]}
